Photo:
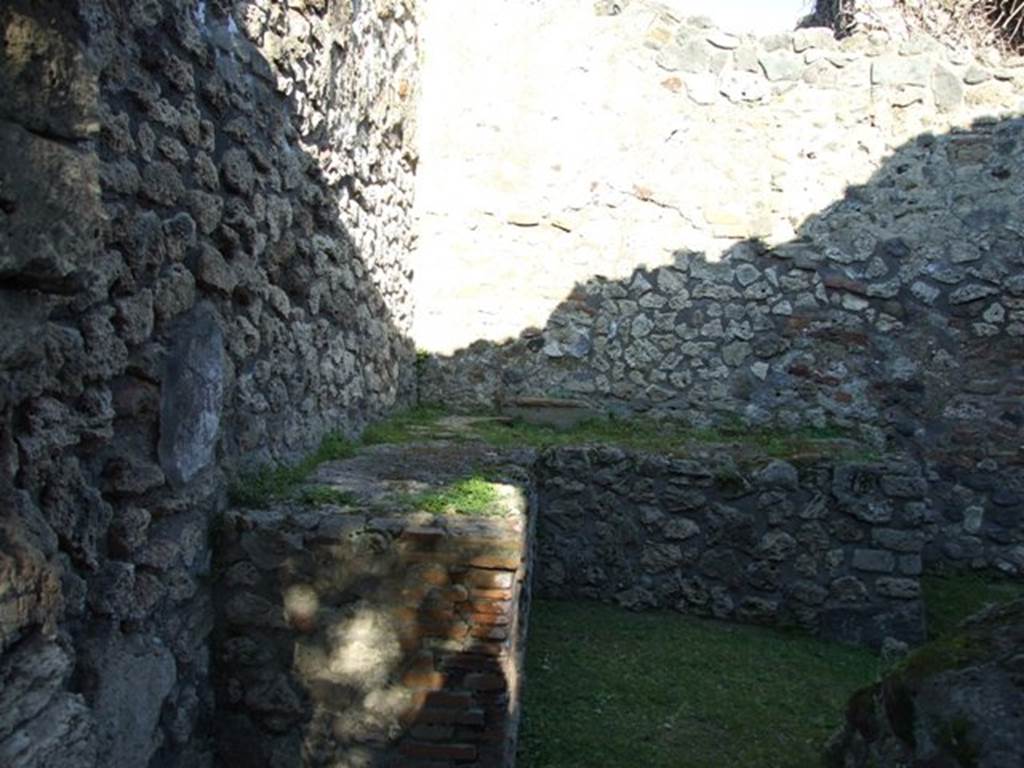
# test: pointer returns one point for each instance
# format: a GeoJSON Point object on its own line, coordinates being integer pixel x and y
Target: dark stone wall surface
{"type": "Point", "coordinates": [204, 208]}
{"type": "Point", "coordinates": [832, 546]}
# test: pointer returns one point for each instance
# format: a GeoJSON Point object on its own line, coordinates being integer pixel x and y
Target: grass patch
{"type": "Point", "coordinates": [422, 423]}
{"type": "Point", "coordinates": [951, 597]}
{"type": "Point", "coordinates": [402, 427]}
{"type": "Point", "coordinates": [472, 496]}
{"type": "Point", "coordinates": [638, 433]}
{"type": "Point", "coordinates": [606, 687]}
{"type": "Point", "coordinates": [655, 436]}
{"type": "Point", "coordinates": [324, 495]}
{"type": "Point", "coordinates": [257, 489]}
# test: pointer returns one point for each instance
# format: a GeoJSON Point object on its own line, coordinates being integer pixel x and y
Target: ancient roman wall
{"type": "Point", "coordinates": [830, 545]}
{"type": "Point", "coordinates": [203, 212]}
{"type": "Point", "coordinates": [361, 638]}
{"type": "Point", "coordinates": [789, 230]}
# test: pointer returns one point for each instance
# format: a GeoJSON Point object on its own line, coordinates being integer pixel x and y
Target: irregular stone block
{"type": "Point", "coordinates": [874, 560]}
{"type": "Point", "coordinates": [191, 397]}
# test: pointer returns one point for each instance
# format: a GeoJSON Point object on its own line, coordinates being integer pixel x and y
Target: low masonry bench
{"type": "Point", "coordinates": [387, 626]}
{"type": "Point", "coordinates": [368, 634]}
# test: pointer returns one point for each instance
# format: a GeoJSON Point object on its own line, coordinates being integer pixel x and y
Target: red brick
{"type": "Point", "coordinates": [488, 579]}
{"type": "Point", "coordinates": [449, 699]}
{"type": "Point", "coordinates": [450, 716]}
{"type": "Point", "coordinates": [461, 753]}
{"type": "Point", "coordinates": [434, 574]}
{"type": "Point", "coordinates": [424, 615]}
{"type": "Point", "coordinates": [486, 632]}
{"type": "Point", "coordinates": [467, 661]}
{"type": "Point", "coordinates": [487, 649]}
{"type": "Point", "coordinates": [498, 607]}
{"type": "Point", "coordinates": [432, 732]}
{"type": "Point", "coordinates": [489, 619]}
{"type": "Point", "coordinates": [499, 559]}
{"type": "Point", "coordinates": [418, 536]}
{"type": "Point", "coordinates": [422, 673]}
{"type": "Point", "coordinates": [485, 681]}
{"type": "Point", "coordinates": [491, 594]}
{"type": "Point", "coordinates": [417, 678]}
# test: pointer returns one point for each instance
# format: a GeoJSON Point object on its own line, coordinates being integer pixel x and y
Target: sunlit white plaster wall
{"type": "Point", "coordinates": [552, 151]}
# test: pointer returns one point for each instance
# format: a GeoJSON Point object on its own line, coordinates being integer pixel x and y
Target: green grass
{"type": "Point", "coordinates": [638, 433]}
{"type": "Point", "coordinates": [471, 496]}
{"type": "Point", "coordinates": [606, 687]}
{"type": "Point", "coordinates": [323, 495]}
{"type": "Point", "coordinates": [951, 597]}
{"type": "Point", "coordinates": [257, 489]}
{"type": "Point", "coordinates": [402, 427]}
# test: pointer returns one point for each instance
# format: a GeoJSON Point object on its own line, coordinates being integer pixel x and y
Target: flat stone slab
{"type": "Point", "coordinates": [385, 477]}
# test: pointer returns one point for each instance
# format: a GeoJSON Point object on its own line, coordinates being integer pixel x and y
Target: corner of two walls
{"type": "Point", "coordinates": [204, 210]}
{"type": "Point", "coordinates": [836, 240]}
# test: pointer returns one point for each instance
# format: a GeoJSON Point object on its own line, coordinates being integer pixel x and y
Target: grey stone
{"type": "Point", "coordinates": [214, 272]}
{"type": "Point", "coordinates": [898, 541]}
{"type": "Point", "coordinates": [806, 38]}
{"type": "Point", "coordinates": [896, 71]}
{"type": "Point", "coordinates": [735, 353]}
{"type": "Point", "coordinates": [874, 560]}
{"type": "Point", "coordinates": [848, 589]}
{"type": "Point", "coordinates": [776, 546]}
{"type": "Point", "coordinates": [723, 40]}
{"type": "Point", "coordinates": [972, 292]}
{"type": "Point", "coordinates": [237, 171]}
{"type": "Point", "coordinates": [62, 736]}
{"type": "Point", "coordinates": [780, 66]}
{"type": "Point", "coordinates": [680, 529]}
{"type": "Point", "coordinates": [902, 589]}
{"type": "Point", "coordinates": [757, 610]}
{"type": "Point", "coordinates": [741, 87]}
{"type": "Point", "coordinates": [659, 557]}
{"type": "Point", "coordinates": [976, 75]}
{"type": "Point", "coordinates": [946, 90]}
{"type": "Point", "coordinates": [134, 676]}
{"type": "Point", "coordinates": [904, 486]}
{"type": "Point", "coordinates": [693, 56]}
{"type": "Point", "coordinates": [191, 398]}
{"type": "Point", "coordinates": [779, 474]}
{"type": "Point", "coordinates": [162, 183]}
{"type": "Point", "coordinates": [809, 593]}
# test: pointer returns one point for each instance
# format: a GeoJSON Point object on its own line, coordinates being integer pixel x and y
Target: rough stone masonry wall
{"type": "Point", "coordinates": [203, 212]}
{"type": "Point", "coordinates": [832, 546]}
{"type": "Point", "coordinates": [860, 260]}
{"type": "Point", "coordinates": [364, 640]}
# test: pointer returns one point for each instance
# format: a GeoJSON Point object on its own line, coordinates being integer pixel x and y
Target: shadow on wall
{"type": "Point", "coordinates": [897, 311]}
{"type": "Point", "coordinates": [370, 642]}
{"type": "Point", "coordinates": [203, 208]}
{"type": "Point", "coordinates": [899, 308]}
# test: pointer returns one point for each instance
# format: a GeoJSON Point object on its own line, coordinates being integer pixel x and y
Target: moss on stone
{"type": "Point", "coordinates": [470, 496]}
{"type": "Point", "coordinates": [637, 433]}
{"type": "Point", "coordinates": [324, 495]}
{"type": "Point", "coordinates": [264, 486]}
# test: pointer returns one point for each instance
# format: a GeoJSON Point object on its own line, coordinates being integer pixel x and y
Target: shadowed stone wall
{"type": "Point", "coordinates": [362, 639]}
{"type": "Point", "coordinates": [203, 215]}
{"type": "Point", "coordinates": [830, 545]}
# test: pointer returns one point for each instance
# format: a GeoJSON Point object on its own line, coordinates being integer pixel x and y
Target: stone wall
{"type": "Point", "coordinates": [203, 213]}
{"type": "Point", "coordinates": [828, 545]}
{"type": "Point", "coordinates": [359, 639]}
{"type": "Point", "coordinates": [823, 232]}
